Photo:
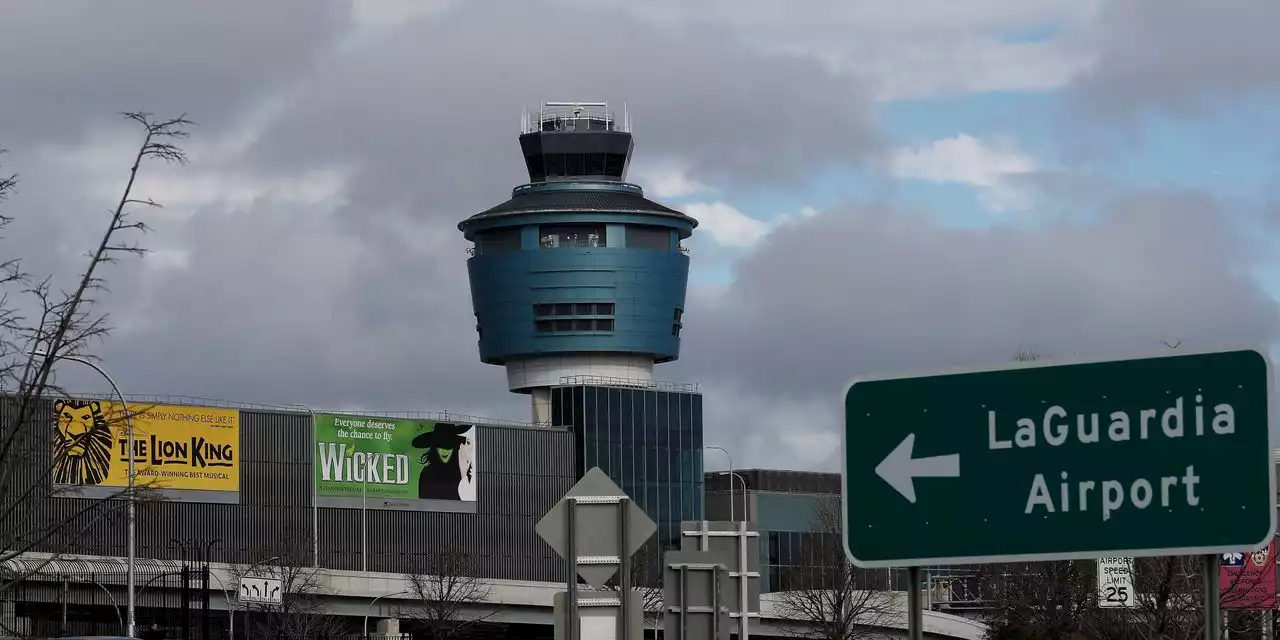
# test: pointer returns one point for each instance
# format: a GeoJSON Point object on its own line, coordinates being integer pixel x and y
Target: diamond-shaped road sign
{"type": "Point", "coordinates": [596, 522]}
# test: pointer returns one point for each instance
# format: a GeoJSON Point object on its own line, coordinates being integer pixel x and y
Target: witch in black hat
{"type": "Point", "coordinates": [441, 468]}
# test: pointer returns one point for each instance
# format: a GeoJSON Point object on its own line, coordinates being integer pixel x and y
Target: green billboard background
{"type": "Point", "coordinates": [374, 458]}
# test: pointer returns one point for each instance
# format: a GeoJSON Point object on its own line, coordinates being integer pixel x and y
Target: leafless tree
{"type": "Point", "coordinates": [40, 324]}
{"type": "Point", "coordinates": [447, 592]}
{"type": "Point", "coordinates": [1049, 600]}
{"type": "Point", "coordinates": [302, 612]}
{"type": "Point", "coordinates": [826, 597]}
{"type": "Point", "coordinates": [646, 577]}
{"type": "Point", "coordinates": [1059, 601]}
{"type": "Point", "coordinates": [1028, 354]}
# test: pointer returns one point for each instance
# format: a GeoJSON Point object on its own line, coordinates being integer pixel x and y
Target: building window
{"type": "Point", "coordinates": [614, 163]}
{"type": "Point", "coordinates": [648, 237]}
{"type": "Point", "coordinates": [595, 164]}
{"type": "Point", "coordinates": [572, 236]}
{"type": "Point", "coordinates": [573, 317]}
{"type": "Point", "coordinates": [676, 324]}
{"type": "Point", "coordinates": [537, 170]}
{"type": "Point", "coordinates": [498, 241]}
{"type": "Point", "coordinates": [575, 164]}
{"type": "Point", "coordinates": [551, 310]}
{"type": "Point", "coordinates": [554, 164]}
{"type": "Point", "coordinates": [649, 442]}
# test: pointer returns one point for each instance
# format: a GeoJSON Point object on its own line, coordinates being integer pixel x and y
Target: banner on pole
{"type": "Point", "coordinates": [1248, 580]}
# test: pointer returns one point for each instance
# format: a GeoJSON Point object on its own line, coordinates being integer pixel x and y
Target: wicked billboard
{"type": "Point", "coordinates": [389, 463]}
{"type": "Point", "coordinates": [181, 452]}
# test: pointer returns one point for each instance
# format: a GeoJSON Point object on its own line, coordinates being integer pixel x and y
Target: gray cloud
{"type": "Point", "coordinates": [869, 289]}
{"type": "Point", "coordinates": [434, 104]}
{"type": "Point", "coordinates": [277, 284]}
{"type": "Point", "coordinates": [361, 298]}
{"type": "Point", "coordinates": [71, 66]}
{"type": "Point", "coordinates": [1181, 55]}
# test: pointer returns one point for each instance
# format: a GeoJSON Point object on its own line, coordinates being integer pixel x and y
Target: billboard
{"type": "Point", "coordinates": [389, 463]}
{"type": "Point", "coordinates": [1248, 580]}
{"type": "Point", "coordinates": [1115, 582]}
{"type": "Point", "coordinates": [182, 452]}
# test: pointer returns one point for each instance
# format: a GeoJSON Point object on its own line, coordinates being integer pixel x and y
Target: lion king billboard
{"type": "Point", "coordinates": [185, 453]}
{"type": "Point", "coordinates": [390, 463]}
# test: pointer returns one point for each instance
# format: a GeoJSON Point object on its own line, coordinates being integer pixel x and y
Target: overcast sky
{"type": "Point", "coordinates": [882, 186]}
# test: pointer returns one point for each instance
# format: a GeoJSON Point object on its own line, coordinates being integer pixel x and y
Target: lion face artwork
{"type": "Point", "coordinates": [82, 443]}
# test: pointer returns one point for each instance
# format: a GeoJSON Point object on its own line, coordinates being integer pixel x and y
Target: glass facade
{"type": "Point", "coordinates": [649, 441]}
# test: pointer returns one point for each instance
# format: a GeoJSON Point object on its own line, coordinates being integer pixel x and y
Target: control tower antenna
{"type": "Point", "coordinates": [578, 275]}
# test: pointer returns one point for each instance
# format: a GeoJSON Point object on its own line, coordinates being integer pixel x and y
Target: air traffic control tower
{"type": "Point", "coordinates": [578, 285]}
{"type": "Point", "coordinates": [578, 275]}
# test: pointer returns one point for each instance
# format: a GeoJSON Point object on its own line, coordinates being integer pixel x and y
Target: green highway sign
{"type": "Point", "coordinates": [1167, 455]}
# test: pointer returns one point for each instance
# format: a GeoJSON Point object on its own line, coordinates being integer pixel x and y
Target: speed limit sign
{"type": "Point", "coordinates": [1115, 582]}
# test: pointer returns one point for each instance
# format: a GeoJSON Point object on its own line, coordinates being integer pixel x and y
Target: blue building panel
{"type": "Point", "coordinates": [648, 441]}
{"type": "Point", "coordinates": [645, 287]}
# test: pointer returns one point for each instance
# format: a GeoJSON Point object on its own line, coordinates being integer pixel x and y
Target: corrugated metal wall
{"type": "Point", "coordinates": [521, 473]}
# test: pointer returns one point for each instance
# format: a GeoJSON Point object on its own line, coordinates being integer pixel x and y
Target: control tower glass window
{"type": "Point", "coordinates": [651, 238]}
{"type": "Point", "coordinates": [572, 236]}
{"type": "Point", "coordinates": [575, 165]}
{"type": "Point", "coordinates": [498, 241]}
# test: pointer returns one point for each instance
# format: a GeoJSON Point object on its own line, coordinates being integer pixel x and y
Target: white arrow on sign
{"type": "Point", "coordinates": [899, 469]}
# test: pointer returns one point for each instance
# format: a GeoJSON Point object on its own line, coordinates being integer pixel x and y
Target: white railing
{"type": "Point", "coordinates": [566, 116]}
{"type": "Point", "coordinates": [610, 381]}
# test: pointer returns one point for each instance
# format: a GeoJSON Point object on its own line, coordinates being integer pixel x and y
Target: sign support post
{"type": "Point", "coordinates": [915, 608]}
{"type": "Point", "coordinates": [624, 572]}
{"type": "Point", "coordinates": [1212, 603]}
{"type": "Point", "coordinates": [596, 528]}
{"type": "Point", "coordinates": [571, 560]}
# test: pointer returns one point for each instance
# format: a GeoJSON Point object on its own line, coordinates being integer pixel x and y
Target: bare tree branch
{"type": "Point", "coordinates": [646, 578]}
{"type": "Point", "coordinates": [825, 597]}
{"type": "Point", "coordinates": [39, 326]}
{"type": "Point", "coordinates": [1059, 601]}
{"type": "Point", "coordinates": [448, 591]}
{"type": "Point", "coordinates": [302, 610]}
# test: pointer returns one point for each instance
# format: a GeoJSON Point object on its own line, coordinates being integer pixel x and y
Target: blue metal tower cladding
{"type": "Point", "coordinates": [578, 274]}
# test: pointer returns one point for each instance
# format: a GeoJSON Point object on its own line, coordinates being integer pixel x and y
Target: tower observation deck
{"type": "Point", "coordinates": [578, 275]}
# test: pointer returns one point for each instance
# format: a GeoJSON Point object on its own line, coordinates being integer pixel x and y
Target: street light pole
{"type": "Point", "coordinates": [726, 454]}
{"type": "Point", "coordinates": [246, 605]}
{"type": "Point", "coordinates": [315, 508]}
{"type": "Point", "coordinates": [132, 503]}
{"type": "Point", "coordinates": [734, 475]}
{"type": "Point", "coordinates": [365, 634]}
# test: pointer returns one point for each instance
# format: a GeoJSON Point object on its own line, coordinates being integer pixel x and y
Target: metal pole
{"type": "Point", "coordinates": [315, 508]}
{"type": "Point", "coordinates": [684, 603]}
{"type": "Point", "coordinates": [726, 454]}
{"type": "Point", "coordinates": [364, 525]}
{"type": "Point", "coordinates": [915, 610]}
{"type": "Point", "coordinates": [715, 599]}
{"type": "Point", "coordinates": [370, 610]}
{"type": "Point", "coordinates": [131, 507]}
{"type": "Point", "coordinates": [743, 580]}
{"type": "Point", "coordinates": [571, 561]}
{"type": "Point", "coordinates": [746, 495]}
{"type": "Point", "coordinates": [246, 604]}
{"type": "Point", "coordinates": [1212, 615]}
{"type": "Point", "coordinates": [231, 611]}
{"type": "Point", "coordinates": [119, 618]}
{"type": "Point", "coordinates": [624, 571]}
